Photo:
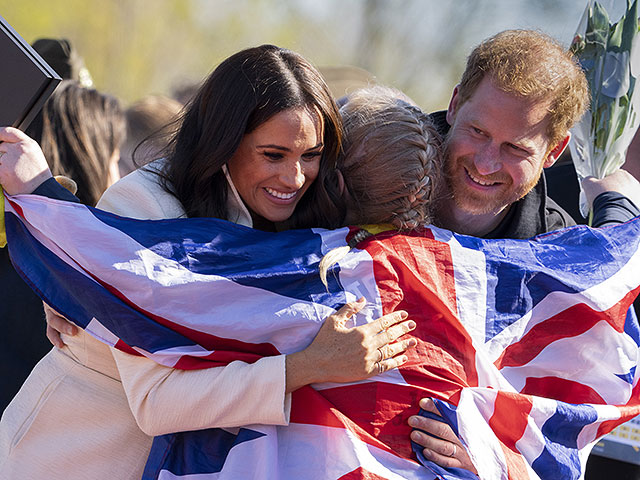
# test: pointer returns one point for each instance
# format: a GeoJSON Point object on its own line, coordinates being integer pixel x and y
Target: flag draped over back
{"type": "Point", "coordinates": [528, 347]}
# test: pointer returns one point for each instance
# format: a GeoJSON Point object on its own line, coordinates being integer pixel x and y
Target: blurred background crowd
{"type": "Point", "coordinates": [137, 47]}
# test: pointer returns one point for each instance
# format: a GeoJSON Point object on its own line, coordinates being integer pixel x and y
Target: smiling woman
{"type": "Point", "coordinates": [258, 146]}
{"type": "Point", "coordinates": [277, 163]}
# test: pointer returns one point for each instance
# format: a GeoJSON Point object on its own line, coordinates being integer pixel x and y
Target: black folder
{"type": "Point", "coordinates": [26, 80]}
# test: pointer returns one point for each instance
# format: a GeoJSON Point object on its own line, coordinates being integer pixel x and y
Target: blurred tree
{"type": "Point", "coordinates": [137, 47]}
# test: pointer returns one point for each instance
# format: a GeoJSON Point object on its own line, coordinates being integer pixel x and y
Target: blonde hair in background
{"type": "Point", "coordinates": [391, 163]}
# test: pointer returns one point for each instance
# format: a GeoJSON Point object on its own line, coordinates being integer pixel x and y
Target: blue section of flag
{"type": "Point", "coordinates": [193, 453]}
{"type": "Point", "coordinates": [521, 273]}
{"type": "Point", "coordinates": [631, 326]}
{"type": "Point", "coordinates": [282, 264]}
{"type": "Point", "coordinates": [560, 459]}
{"type": "Point", "coordinates": [87, 299]}
{"type": "Point", "coordinates": [629, 376]}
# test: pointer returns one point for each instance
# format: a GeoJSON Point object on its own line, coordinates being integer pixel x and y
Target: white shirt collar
{"type": "Point", "coordinates": [236, 208]}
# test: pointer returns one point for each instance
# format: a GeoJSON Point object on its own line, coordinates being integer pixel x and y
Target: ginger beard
{"type": "Point", "coordinates": [477, 194]}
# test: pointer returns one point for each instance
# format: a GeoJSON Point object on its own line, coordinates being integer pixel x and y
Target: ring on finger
{"type": "Point", "coordinates": [455, 450]}
{"type": "Point", "coordinates": [381, 355]}
{"type": "Point", "coordinates": [379, 367]}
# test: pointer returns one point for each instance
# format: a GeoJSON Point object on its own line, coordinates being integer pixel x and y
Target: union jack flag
{"type": "Point", "coordinates": [528, 347]}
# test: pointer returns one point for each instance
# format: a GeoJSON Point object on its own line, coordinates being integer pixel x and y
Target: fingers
{"type": "Point", "coordinates": [11, 135]}
{"type": "Point", "coordinates": [391, 334]}
{"type": "Point", "coordinates": [54, 337]}
{"type": "Point", "coordinates": [347, 311]}
{"type": "Point", "coordinates": [428, 405]}
{"type": "Point", "coordinates": [392, 349]}
{"type": "Point", "coordinates": [436, 428]}
{"type": "Point", "coordinates": [390, 363]}
{"type": "Point", "coordinates": [57, 324]}
{"type": "Point", "coordinates": [442, 452]}
{"type": "Point", "coordinates": [442, 446]}
{"type": "Point", "coordinates": [386, 321]}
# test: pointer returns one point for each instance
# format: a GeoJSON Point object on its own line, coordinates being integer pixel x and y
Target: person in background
{"type": "Point", "coordinates": [150, 123]}
{"type": "Point", "coordinates": [24, 342]}
{"type": "Point", "coordinates": [64, 59]}
{"type": "Point", "coordinates": [80, 131]}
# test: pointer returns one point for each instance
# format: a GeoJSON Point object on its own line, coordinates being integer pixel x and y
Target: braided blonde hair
{"type": "Point", "coordinates": [391, 163]}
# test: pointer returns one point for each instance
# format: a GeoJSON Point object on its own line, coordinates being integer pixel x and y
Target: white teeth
{"type": "Point", "coordinates": [477, 180]}
{"type": "Point", "coordinates": [281, 195]}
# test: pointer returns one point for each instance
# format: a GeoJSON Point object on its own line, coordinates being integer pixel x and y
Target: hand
{"type": "Point", "coordinates": [446, 450]}
{"type": "Point", "coordinates": [619, 181]}
{"type": "Point", "coordinates": [57, 324]}
{"type": "Point", "coordinates": [22, 164]}
{"type": "Point", "coordinates": [342, 354]}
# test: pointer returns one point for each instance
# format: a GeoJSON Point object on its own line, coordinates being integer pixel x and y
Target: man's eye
{"type": "Point", "coordinates": [477, 130]}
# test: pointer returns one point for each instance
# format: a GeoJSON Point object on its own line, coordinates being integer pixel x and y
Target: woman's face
{"type": "Point", "coordinates": [277, 162]}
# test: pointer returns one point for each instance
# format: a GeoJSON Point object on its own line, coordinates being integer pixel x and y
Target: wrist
{"type": "Point", "coordinates": [300, 370]}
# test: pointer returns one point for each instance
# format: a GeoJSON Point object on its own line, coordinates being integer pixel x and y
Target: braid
{"type": "Point", "coordinates": [414, 210]}
{"type": "Point", "coordinates": [391, 164]}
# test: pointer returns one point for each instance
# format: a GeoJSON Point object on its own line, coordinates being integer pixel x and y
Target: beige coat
{"type": "Point", "coordinates": [88, 411]}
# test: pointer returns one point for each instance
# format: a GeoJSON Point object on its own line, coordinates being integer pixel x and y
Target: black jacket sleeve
{"type": "Point", "coordinates": [52, 189]}
{"type": "Point", "coordinates": [610, 208]}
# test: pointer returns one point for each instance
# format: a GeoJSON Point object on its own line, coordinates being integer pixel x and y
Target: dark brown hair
{"type": "Point", "coordinates": [79, 129]}
{"type": "Point", "coordinates": [243, 92]}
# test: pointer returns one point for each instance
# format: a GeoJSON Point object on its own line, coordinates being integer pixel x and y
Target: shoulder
{"type": "Point", "coordinates": [556, 216]}
{"type": "Point", "coordinates": [141, 195]}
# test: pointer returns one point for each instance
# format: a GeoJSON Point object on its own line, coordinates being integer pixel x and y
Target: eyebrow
{"type": "Point", "coordinates": [285, 149]}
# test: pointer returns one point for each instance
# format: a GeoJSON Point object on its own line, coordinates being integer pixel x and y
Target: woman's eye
{"type": "Point", "coordinates": [273, 155]}
{"type": "Point", "coordinates": [312, 155]}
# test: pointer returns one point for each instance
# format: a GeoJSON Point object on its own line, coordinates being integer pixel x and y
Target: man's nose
{"type": "Point", "coordinates": [487, 160]}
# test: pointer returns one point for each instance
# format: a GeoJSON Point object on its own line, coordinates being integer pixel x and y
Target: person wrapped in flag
{"type": "Point", "coordinates": [94, 389]}
{"type": "Point", "coordinates": [351, 441]}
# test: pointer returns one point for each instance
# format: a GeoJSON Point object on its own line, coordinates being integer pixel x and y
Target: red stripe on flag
{"type": "Point", "coordinates": [627, 412]}
{"type": "Point", "coordinates": [571, 322]}
{"type": "Point", "coordinates": [310, 407]}
{"type": "Point", "coordinates": [509, 422]}
{"type": "Point", "coordinates": [361, 474]}
{"type": "Point", "coordinates": [561, 389]}
{"type": "Point", "coordinates": [424, 268]}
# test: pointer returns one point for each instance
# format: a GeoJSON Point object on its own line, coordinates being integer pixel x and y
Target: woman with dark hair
{"type": "Point", "coordinates": [258, 146]}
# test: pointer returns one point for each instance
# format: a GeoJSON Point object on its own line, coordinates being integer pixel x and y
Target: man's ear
{"type": "Point", "coordinates": [453, 106]}
{"type": "Point", "coordinates": [556, 151]}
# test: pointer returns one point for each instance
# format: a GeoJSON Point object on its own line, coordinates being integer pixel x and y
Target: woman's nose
{"type": "Point", "coordinates": [294, 177]}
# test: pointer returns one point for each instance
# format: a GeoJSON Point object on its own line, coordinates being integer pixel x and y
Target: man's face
{"type": "Point", "coordinates": [496, 149]}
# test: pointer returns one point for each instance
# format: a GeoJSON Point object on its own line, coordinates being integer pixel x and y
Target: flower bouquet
{"type": "Point", "coordinates": [609, 53]}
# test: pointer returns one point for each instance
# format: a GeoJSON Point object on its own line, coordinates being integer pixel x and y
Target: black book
{"type": "Point", "coordinates": [26, 80]}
